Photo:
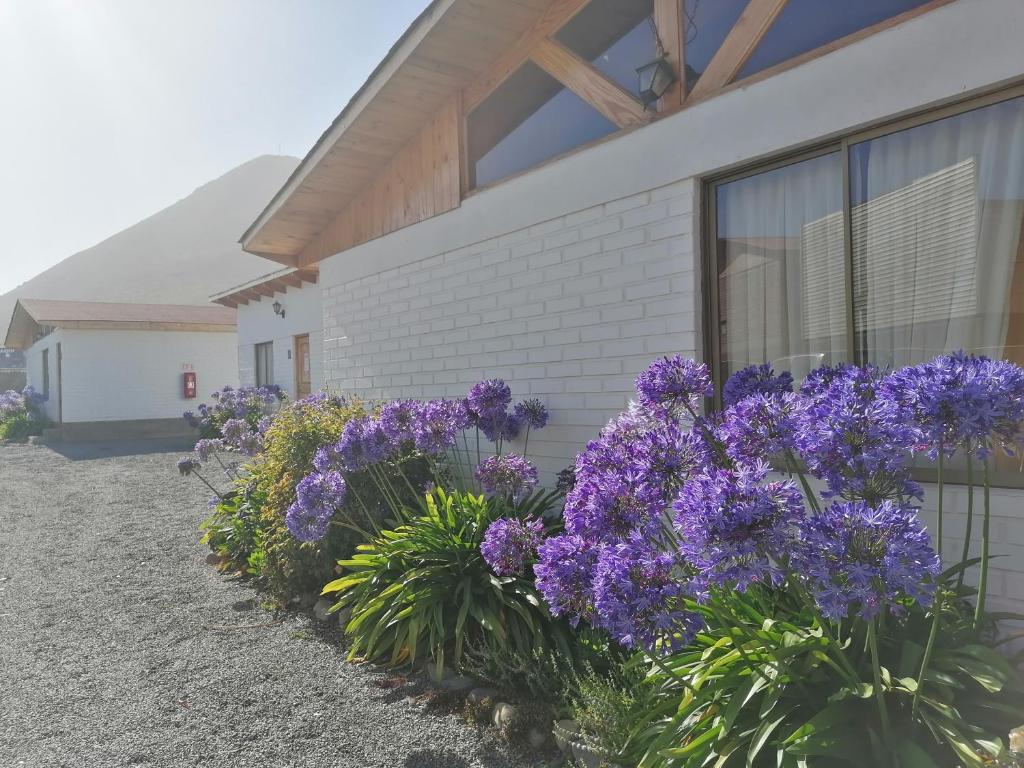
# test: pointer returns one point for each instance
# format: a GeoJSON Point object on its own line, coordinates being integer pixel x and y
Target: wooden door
{"type": "Point", "coordinates": [302, 372]}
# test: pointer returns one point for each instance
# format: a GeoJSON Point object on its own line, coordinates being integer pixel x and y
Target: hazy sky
{"type": "Point", "coordinates": [114, 109]}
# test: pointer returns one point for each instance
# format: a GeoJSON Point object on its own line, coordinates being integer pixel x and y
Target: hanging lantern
{"type": "Point", "coordinates": [653, 80]}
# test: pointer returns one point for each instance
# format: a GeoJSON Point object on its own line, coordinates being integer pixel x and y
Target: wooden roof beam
{"type": "Point", "coordinates": [738, 46]}
{"type": "Point", "coordinates": [553, 19]}
{"type": "Point", "coordinates": [580, 77]}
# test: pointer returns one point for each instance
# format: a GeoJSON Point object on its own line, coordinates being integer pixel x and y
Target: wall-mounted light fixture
{"type": "Point", "coordinates": [278, 309]}
{"type": "Point", "coordinates": [653, 80]}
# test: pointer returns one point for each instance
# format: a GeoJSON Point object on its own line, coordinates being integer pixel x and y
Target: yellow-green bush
{"type": "Point", "coordinates": [290, 444]}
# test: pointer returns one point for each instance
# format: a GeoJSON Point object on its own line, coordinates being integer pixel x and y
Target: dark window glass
{"type": "Point", "coordinates": [528, 119]}
{"type": "Point", "coordinates": [781, 275]}
{"type": "Point", "coordinates": [265, 364]}
{"type": "Point", "coordinates": [706, 24]}
{"type": "Point", "coordinates": [46, 374]}
{"type": "Point", "coordinates": [616, 36]}
{"type": "Point", "coordinates": [804, 25]}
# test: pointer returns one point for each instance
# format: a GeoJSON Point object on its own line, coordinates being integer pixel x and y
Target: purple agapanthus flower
{"type": "Point", "coordinates": [205, 449]}
{"type": "Point", "coordinates": [489, 397]}
{"type": "Point", "coordinates": [307, 524]}
{"type": "Point", "coordinates": [324, 491]}
{"type": "Point", "coordinates": [508, 543]}
{"type": "Point", "coordinates": [820, 379]}
{"type": "Point", "coordinates": [674, 384]}
{"type": "Point", "coordinates": [861, 559]}
{"type": "Point", "coordinates": [362, 444]}
{"type": "Point", "coordinates": [763, 426]}
{"type": "Point", "coordinates": [858, 442]}
{"type": "Point", "coordinates": [500, 426]}
{"type": "Point", "coordinates": [565, 576]}
{"type": "Point", "coordinates": [510, 476]}
{"type": "Point", "coordinates": [638, 597]}
{"type": "Point", "coordinates": [756, 380]}
{"type": "Point", "coordinates": [962, 401]}
{"type": "Point", "coordinates": [735, 528]}
{"type": "Point", "coordinates": [438, 425]}
{"type": "Point", "coordinates": [398, 420]}
{"type": "Point", "coordinates": [533, 413]}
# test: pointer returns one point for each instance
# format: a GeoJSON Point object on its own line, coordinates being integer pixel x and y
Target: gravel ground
{"type": "Point", "coordinates": [120, 646]}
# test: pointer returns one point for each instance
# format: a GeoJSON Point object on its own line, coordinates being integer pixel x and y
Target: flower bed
{"type": "Point", "coordinates": [769, 623]}
{"type": "Point", "coordinates": [21, 414]}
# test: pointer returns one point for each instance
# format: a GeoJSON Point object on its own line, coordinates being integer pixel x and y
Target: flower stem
{"type": "Point", "coordinates": [883, 710]}
{"type": "Point", "coordinates": [207, 484]}
{"type": "Point", "coordinates": [926, 659]}
{"type": "Point", "coordinates": [970, 521]}
{"type": "Point", "coordinates": [979, 607]}
{"type": "Point", "coordinates": [941, 489]}
{"type": "Point", "coordinates": [808, 492]}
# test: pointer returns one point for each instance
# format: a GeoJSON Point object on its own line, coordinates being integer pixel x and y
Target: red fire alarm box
{"type": "Point", "coordinates": [190, 387]}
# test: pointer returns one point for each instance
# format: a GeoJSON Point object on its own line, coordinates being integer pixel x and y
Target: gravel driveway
{"type": "Point", "coordinates": [114, 652]}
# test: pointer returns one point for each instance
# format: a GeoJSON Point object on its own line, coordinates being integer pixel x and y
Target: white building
{"type": "Point", "coordinates": [123, 370]}
{"type": "Point", "coordinates": [280, 331]}
{"type": "Point", "coordinates": [825, 181]}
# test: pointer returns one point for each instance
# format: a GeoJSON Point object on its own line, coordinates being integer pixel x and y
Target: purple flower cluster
{"type": "Point", "coordinates": [565, 576]}
{"type": "Point", "coordinates": [432, 429]}
{"type": "Point", "coordinates": [762, 426]}
{"type": "Point", "coordinates": [962, 401]}
{"type": "Point", "coordinates": [856, 428]}
{"type": "Point", "coordinates": [317, 498]}
{"type": "Point", "coordinates": [735, 528]}
{"type": "Point", "coordinates": [756, 380]}
{"type": "Point", "coordinates": [509, 543]}
{"type": "Point", "coordinates": [508, 476]}
{"type": "Point", "coordinates": [639, 597]}
{"type": "Point", "coordinates": [398, 420]}
{"type": "Point", "coordinates": [857, 440]}
{"type": "Point", "coordinates": [489, 398]}
{"type": "Point", "coordinates": [861, 559]}
{"type": "Point", "coordinates": [15, 403]}
{"type": "Point", "coordinates": [533, 413]}
{"type": "Point", "coordinates": [439, 424]}
{"type": "Point", "coordinates": [362, 443]}
{"type": "Point", "coordinates": [674, 384]}
{"type": "Point", "coordinates": [624, 479]}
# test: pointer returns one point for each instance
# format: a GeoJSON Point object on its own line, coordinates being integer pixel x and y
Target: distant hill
{"type": "Point", "coordinates": [181, 255]}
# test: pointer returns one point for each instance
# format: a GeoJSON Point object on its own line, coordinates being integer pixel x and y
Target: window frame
{"type": "Point", "coordinates": [841, 145]}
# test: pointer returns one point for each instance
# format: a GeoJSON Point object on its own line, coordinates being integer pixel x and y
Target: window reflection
{"type": "Point", "coordinates": [616, 36]}
{"type": "Point", "coordinates": [804, 25]}
{"type": "Point", "coordinates": [528, 119]}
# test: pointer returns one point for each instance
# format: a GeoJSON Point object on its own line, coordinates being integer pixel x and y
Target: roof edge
{"type": "Point", "coordinates": [396, 56]}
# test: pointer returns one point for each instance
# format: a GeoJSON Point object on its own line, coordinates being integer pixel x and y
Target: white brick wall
{"type": "Point", "coordinates": [568, 311]}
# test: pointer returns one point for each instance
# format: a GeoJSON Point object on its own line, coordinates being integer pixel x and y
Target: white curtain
{"type": "Point", "coordinates": [780, 267]}
{"type": "Point", "coordinates": [936, 219]}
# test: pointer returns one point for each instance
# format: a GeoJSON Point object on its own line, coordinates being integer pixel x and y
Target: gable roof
{"type": "Point", "coordinates": [447, 48]}
{"type": "Point", "coordinates": [31, 316]}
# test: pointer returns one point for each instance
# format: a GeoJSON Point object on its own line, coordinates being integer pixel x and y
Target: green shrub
{"type": "Point", "coordinates": [424, 589]}
{"type": "Point", "coordinates": [298, 430]}
{"type": "Point", "coordinates": [763, 686]}
{"type": "Point", "coordinates": [606, 708]}
{"type": "Point", "coordinates": [233, 531]}
{"type": "Point", "coordinates": [19, 427]}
